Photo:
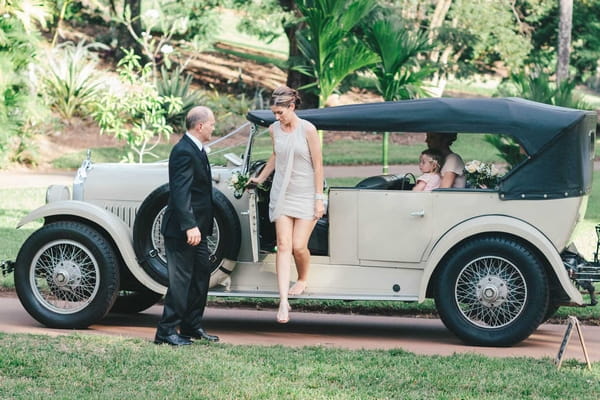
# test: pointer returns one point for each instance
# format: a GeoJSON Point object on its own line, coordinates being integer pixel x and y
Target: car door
{"type": "Point", "coordinates": [394, 226]}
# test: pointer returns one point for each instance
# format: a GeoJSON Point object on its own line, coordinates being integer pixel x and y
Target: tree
{"type": "Point", "coordinates": [328, 43]}
{"type": "Point", "coordinates": [471, 36]}
{"type": "Point", "coordinates": [19, 35]}
{"type": "Point", "coordinates": [564, 40]}
{"type": "Point", "coordinates": [399, 74]}
{"type": "Point", "coordinates": [585, 41]}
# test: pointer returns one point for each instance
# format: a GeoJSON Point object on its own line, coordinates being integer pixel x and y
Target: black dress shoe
{"type": "Point", "coordinates": [173, 340]}
{"type": "Point", "coordinates": [198, 333]}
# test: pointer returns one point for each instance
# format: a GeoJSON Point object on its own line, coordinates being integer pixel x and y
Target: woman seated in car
{"type": "Point", "coordinates": [453, 175]}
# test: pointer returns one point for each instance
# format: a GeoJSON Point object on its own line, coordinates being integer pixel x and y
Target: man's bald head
{"type": "Point", "coordinates": [198, 114]}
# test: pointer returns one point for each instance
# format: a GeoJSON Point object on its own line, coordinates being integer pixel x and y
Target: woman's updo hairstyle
{"type": "Point", "coordinates": [283, 96]}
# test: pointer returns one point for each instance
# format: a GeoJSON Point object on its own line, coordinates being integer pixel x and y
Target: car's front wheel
{"type": "Point", "coordinates": [492, 291]}
{"type": "Point", "coordinates": [67, 275]}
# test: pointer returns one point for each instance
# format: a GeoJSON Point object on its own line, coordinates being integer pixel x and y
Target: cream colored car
{"type": "Point", "coordinates": [491, 258]}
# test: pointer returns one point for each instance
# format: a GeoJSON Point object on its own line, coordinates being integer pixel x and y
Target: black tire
{"type": "Point", "coordinates": [67, 275]}
{"type": "Point", "coordinates": [135, 301]}
{"type": "Point", "coordinates": [552, 309]}
{"type": "Point", "coordinates": [492, 291]}
{"type": "Point", "coordinates": [148, 242]}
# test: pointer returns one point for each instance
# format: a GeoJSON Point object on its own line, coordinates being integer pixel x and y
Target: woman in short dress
{"type": "Point", "coordinates": [296, 201]}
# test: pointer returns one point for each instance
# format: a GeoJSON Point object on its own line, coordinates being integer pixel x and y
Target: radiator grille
{"type": "Point", "coordinates": [126, 213]}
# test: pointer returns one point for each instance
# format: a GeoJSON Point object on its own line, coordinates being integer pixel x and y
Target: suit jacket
{"type": "Point", "coordinates": [190, 198]}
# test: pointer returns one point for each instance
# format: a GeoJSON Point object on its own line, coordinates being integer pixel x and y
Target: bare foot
{"type": "Point", "coordinates": [283, 316]}
{"type": "Point", "coordinates": [298, 288]}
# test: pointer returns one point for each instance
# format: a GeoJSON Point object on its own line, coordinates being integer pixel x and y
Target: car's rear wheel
{"type": "Point", "coordinates": [492, 291]}
{"type": "Point", "coordinates": [148, 242]}
{"type": "Point", "coordinates": [67, 275]}
{"type": "Point", "coordinates": [135, 301]}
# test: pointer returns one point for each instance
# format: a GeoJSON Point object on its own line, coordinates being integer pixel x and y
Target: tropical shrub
{"type": "Point", "coordinates": [508, 150]}
{"type": "Point", "coordinates": [331, 49]}
{"type": "Point", "coordinates": [19, 108]}
{"type": "Point", "coordinates": [70, 80]}
{"type": "Point", "coordinates": [176, 84]}
{"type": "Point", "coordinates": [399, 72]}
{"type": "Point", "coordinates": [539, 86]}
{"type": "Point", "coordinates": [136, 112]}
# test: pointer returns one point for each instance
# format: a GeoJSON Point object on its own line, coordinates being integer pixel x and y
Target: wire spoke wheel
{"type": "Point", "coordinates": [64, 276]}
{"type": "Point", "coordinates": [158, 240]}
{"type": "Point", "coordinates": [490, 292]}
{"type": "Point", "coordinates": [67, 275]}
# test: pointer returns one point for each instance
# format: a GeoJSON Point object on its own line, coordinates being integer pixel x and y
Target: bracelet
{"type": "Point", "coordinates": [319, 196]}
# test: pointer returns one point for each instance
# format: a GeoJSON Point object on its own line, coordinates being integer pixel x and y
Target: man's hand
{"type": "Point", "coordinates": [193, 236]}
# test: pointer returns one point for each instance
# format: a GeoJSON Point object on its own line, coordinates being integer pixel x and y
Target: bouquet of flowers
{"type": "Point", "coordinates": [238, 183]}
{"type": "Point", "coordinates": [482, 175]}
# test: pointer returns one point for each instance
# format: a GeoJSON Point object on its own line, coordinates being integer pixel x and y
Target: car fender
{"type": "Point", "coordinates": [113, 225]}
{"type": "Point", "coordinates": [494, 224]}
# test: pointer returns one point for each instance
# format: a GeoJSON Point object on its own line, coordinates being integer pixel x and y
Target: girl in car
{"type": "Point", "coordinates": [430, 163]}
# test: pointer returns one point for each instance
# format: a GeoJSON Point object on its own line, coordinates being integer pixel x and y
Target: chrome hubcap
{"type": "Point", "coordinates": [491, 292]}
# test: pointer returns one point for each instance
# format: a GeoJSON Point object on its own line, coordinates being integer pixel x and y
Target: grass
{"type": "Point", "coordinates": [15, 204]}
{"type": "Point", "coordinates": [74, 367]}
{"type": "Point", "coordinates": [229, 34]}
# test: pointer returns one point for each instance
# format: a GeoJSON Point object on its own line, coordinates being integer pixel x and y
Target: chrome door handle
{"type": "Point", "coordinates": [420, 213]}
{"type": "Point", "coordinates": [245, 212]}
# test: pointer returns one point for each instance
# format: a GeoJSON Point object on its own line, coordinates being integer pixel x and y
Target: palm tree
{"type": "Point", "coordinates": [399, 73]}
{"type": "Point", "coordinates": [331, 49]}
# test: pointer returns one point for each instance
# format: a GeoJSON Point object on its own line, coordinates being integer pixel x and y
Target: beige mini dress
{"type": "Point", "coordinates": [293, 188]}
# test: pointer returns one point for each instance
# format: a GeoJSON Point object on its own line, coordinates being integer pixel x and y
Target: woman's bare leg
{"type": "Point", "coordinates": [284, 228]}
{"type": "Point", "coordinates": [302, 230]}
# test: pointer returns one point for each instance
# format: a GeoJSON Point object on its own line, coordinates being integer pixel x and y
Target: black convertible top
{"type": "Point", "coordinates": [559, 141]}
{"type": "Point", "coordinates": [532, 124]}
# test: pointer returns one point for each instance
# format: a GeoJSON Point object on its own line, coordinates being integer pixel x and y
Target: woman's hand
{"type": "Point", "coordinates": [319, 209]}
{"type": "Point", "coordinates": [253, 182]}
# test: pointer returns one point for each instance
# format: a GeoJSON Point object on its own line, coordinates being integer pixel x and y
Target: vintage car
{"type": "Point", "coordinates": [495, 260]}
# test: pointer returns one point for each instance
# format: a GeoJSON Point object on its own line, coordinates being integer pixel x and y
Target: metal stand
{"type": "Point", "coordinates": [573, 321]}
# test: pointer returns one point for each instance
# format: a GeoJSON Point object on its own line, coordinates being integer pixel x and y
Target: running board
{"type": "Point", "coordinates": [309, 296]}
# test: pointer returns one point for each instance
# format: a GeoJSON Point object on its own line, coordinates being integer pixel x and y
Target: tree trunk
{"type": "Point", "coordinates": [564, 40]}
{"type": "Point", "coordinates": [124, 38]}
{"type": "Point", "coordinates": [296, 79]}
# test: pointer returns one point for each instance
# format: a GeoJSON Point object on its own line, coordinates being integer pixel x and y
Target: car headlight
{"type": "Point", "coordinates": [57, 193]}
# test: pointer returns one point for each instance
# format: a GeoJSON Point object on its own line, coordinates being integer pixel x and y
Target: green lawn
{"type": "Point", "coordinates": [229, 34]}
{"type": "Point", "coordinates": [75, 367]}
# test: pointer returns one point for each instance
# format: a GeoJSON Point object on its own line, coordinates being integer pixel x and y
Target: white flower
{"type": "Point", "coordinates": [471, 168]}
{"type": "Point", "coordinates": [166, 49]}
{"type": "Point", "coordinates": [6, 16]}
{"type": "Point", "coordinates": [234, 179]}
{"type": "Point", "coordinates": [206, 149]}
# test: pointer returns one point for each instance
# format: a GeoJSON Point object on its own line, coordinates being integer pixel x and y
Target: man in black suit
{"type": "Point", "coordinates": [187, 223]}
